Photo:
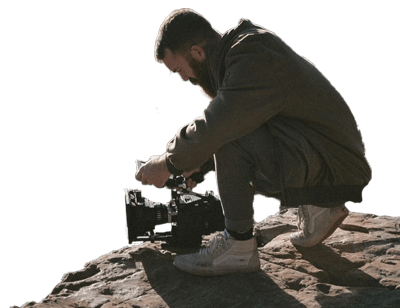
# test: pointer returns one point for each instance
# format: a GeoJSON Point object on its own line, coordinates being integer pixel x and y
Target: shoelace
{"type": "Point", "coordinates": [218, 241]}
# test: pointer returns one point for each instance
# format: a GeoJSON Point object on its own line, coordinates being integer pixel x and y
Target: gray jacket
{"type": "Point", "coordinates": [262, 81]}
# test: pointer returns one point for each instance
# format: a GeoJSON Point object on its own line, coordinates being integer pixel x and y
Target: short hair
{"type": "Point", "coordinates": [182, 29]}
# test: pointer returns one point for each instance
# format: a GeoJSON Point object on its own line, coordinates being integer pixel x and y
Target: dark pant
{"type": "Point", "coordinates": [243, 168]}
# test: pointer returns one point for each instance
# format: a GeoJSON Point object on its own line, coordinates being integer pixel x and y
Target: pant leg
{"type": "Point", "coordinates": [245, 167]}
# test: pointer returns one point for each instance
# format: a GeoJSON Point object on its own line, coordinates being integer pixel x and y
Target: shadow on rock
{"type": "Point", "coordinates": [335, 269]}
{"type": "Point", "coordinates": [180, 289]}
{"type": "Point", "coordinates": [360, 289]}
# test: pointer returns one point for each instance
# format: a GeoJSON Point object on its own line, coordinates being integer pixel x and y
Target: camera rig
{"type": "Point", "coordinates": [191, 215]}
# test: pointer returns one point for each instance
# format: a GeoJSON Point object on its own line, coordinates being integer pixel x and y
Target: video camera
{"type": "Point", "coordinates": [192, 215]}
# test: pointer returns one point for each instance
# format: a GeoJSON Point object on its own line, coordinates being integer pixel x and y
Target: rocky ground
{"type": "Point", "coordinates": [358, 266]}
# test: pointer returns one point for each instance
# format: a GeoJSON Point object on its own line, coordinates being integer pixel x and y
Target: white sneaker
{"type": "Point", "coordinates": [222, 255]}
{"type": "Point", "coordinates": [316, 224]}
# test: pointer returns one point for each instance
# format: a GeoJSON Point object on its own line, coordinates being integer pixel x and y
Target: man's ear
{"type": "Point", "coordinates": [198, 53]}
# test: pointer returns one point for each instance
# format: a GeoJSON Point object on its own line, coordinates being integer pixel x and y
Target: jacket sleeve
{"type": "Point", "coordinates": [250, 94]}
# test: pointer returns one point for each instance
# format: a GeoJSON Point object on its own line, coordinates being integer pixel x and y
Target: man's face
{"type": "Point", "coordinates": [190, 69]}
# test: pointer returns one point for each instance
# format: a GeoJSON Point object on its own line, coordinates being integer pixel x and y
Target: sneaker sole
{"type": "Point", "coordinates": [212, 271]}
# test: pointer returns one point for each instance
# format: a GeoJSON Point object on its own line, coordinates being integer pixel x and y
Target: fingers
{"type": "Point", "coordinates": [190, 183]}
{"type": "Point", "coordinates": [139, 170]}
{"type": "Point", "coordinates": [153, 172]}
{"type": "Point", "coordinates": [138, 175]}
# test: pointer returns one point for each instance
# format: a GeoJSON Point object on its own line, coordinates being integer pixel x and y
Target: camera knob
{"type": "Point", "coordinates": [209, 193]}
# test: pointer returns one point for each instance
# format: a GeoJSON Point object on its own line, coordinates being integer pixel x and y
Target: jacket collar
{"type": "Point", "coordinates": [215, 54]}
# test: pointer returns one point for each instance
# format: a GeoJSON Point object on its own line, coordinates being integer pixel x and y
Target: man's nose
{"type": "Point", "coordinates": [184, 76]}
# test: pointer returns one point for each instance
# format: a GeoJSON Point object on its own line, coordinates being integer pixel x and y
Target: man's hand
{"type": "Point", "coordinates": [154, 172]}
{"type": "Point", "coordinates": [189, 182]}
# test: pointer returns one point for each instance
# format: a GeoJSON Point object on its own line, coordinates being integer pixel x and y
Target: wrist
{"type": "Point", "coordinates": [170, 166]}
{"type": "Point", "coordinates": [163, 162]}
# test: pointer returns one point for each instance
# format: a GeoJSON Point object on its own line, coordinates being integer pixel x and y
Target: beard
{"type": "Point", "coordinates": [202, 77]}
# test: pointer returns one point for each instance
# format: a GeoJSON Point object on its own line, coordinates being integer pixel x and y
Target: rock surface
{"type": "Point", "coordinates": [358, 266]}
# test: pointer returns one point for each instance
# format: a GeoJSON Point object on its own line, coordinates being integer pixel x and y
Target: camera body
{"type": "Point", "coordinates": [191, 215]}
